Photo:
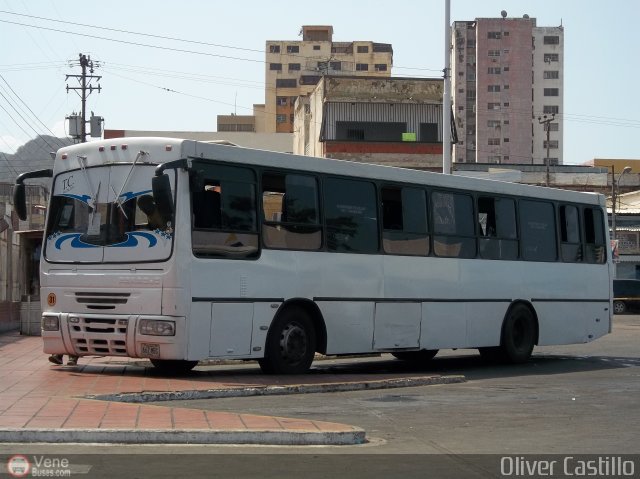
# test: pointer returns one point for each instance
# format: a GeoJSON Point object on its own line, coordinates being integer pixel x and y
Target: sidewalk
{"type": "Point", "coordinates": [40, 402]}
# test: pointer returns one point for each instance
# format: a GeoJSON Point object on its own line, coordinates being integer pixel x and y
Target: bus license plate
{"type": "Point", "coordinates": [150, 350]}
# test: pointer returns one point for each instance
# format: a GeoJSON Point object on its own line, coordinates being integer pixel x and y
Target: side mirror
{"type": "Point", "coordinates": [19, 201]}
{"type": "Point", "coordinates": [162, 196]}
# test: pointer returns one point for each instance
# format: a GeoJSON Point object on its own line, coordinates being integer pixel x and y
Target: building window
{"type": "Point", "coordinates": [493, 71]}
{"type": "Point", "coordinates": [505, 140]}
{"type": "Point", "coordinates": [291, 117]}
{"type": "Point", "coordinates": [281, 100]}
{"type": "Point", "coordinates": [506, 69]}
{"type": "Point", "coordinates": [362, 67]}
{"type": "Point", "coordinates": [286, 83]}
{"type": "Point", "coordinates": [493, 123]}
{"type": "Point", "coordinates": [275, 66]}
{"type": "Point", "coordinates": [493, 141]}
{"type": "Point", "coordinates": [471, 76]}
{"type": "Point", "coordinates": [322, 66]}
{"type": "Point", "coordinates": [494, 53]}
{"type": "Point", "coordinates": [309, 79]}
{"type": "Point", "coordinates": [293, 49]}
{"type": "Point", "coordinates": [380, 67]}
{"type": "Point", "coordinates": [553, 144]}
{"type": "Point", "coordinates": [551, 91]}
{"type": "Point", "coordinates": [506, 34]}
{"type": "Point", "coordinates": [505, 122]}
{"type": "Point", "coordinates": [493, 106]}
{"type": "Point", "coordinates": [281, 118]}
{"type": "Point", "coordinates": [505, 158]}
{"type": "Point", "coordinates": [551, 40]}
{"type": "Point", "coordinates": [506, 50]}
{"type": "Point", "coordinates": [506, 87]}
{"type": "Point", "coordinates": [471, 95]}
{"type": "Point", "coordinates": [274, 48]}
{"type": "Point", "coordinates": [316, 47]}
{"type": "Point", "coordinates": [363, 49]}
{"type": "Point", "coordinates": [554, 126]}
{"type": "Point", "coordinates": [550, 109]}
{"type": "Point", "coordinates": [460, 90]}
{"type": "Point", "coordinates": [494, 35]}
{"type": "Point", "coordinates": [294, 67]}
{"type": "Point", "coordinates": [551, 57]}
{"type": "Point", "coordinates": [337, 66]}
{"type": "Point", "coordinates": [493, 88]}
{"type": "Point", "coordinates": [551, 74]}
{"type": "Point", "coordinates": [505, 104]}
{"type": "Point", "coordinates": [460, 108]}
{"type": "Point", "coordinates": [493, 159]}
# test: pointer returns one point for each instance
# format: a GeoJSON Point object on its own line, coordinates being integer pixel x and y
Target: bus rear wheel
{"type": "Point", "coordinates": [173, 366]}
{"type": "Point", "coordinates": [619, 307]}
{"type": "Point", "coordinates": [422, 356]}
{"type": "Point", "coordinates": [291, 343]}
{"type": "Point", "coordinates": [518, 338]}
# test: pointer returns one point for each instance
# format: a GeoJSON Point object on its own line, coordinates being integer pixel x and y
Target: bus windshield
{"type": "Point", "coordinates": [106, 214]}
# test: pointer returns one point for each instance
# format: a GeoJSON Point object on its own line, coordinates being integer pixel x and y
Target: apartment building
{"type": "Point", "coordinates": [507, 73]}
{"type": "Point", "coordinates": [293, 68]}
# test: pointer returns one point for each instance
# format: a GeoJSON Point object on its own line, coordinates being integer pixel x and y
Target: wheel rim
{"type": "Point", "coordinates": [293, 343]}
{"type": "Point", "coordinates": [618, 307]}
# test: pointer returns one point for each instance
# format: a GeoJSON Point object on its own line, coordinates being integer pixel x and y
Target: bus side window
{"type": "Point", "coordinates": [453, 225]}
{"type": "Point", "coordinates": [571, 247]}
{"type": "Point", "coordinates": [538, 230]}
{"type": "Point", "coordinates": [290, 210]}
{"type": "Point", "coordinates": [224, 213]}
{"type": "Point", "coordinates": [594, 237]}
{"type": "Point", "coordinates": [404, 221]}
{"type": "Point", "coordinates": [497, 228]}
{"type": "Point", "coordinates": [351, 216]}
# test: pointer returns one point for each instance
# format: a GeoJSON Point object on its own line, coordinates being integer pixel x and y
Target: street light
{"type": "Point", "coordinates": [614, 195]}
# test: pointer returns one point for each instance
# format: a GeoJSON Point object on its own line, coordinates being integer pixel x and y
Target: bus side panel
{"type": "Point", "coordinates": [199, 327]}
{"type": "Point", "coordinates": [444, 325]}
{"type": "Point", "coordinates": [484, 323]}
{"type": "Point", "coordinates": [349, 326]}
{"type": "Point", "coordinates": [571, 322]}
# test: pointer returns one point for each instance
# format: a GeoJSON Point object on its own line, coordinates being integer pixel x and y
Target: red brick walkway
{"type": "Point", "coordinates": [35, 394]}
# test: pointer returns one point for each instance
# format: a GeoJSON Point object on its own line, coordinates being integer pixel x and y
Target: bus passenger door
{"type": "Point", "coordinates": [397, 325]}
{"type": "Point", "coordinates": [231, 325]}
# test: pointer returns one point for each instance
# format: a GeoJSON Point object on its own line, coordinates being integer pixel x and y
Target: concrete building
{"type": "Point", "coordinates": [293, 68]}
{"type": "Point", "coordinates": [390, 121]}
{"type": "Point", "coordinates": [507, 73]}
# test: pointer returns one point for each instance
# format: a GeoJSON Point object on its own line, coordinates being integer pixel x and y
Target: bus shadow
{"type": "Point", "coordinates": [474, 367]}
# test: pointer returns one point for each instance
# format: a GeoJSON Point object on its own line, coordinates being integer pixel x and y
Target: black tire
{"type": "Point", "coordinates": [422, 356]}
{"type": "Point", "coordinates": [619, 307]}
{"type": "Point", "coordinates": [173, 366]}
{"type": "Point", "coordinates": [518, 338]}
{"type": "Point", "coordinates": [291, 343]}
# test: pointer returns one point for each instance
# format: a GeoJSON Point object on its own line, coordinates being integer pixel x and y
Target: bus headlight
{"type": "Point", "coordinates": [155, 327]}
{"type": "Point", "coordinates": [50, 323]}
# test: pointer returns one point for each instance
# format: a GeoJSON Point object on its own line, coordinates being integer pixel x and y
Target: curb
{"type": "Point", "coordinates": [186, 436]}
{"type": "Point", "coordinates": [152, 396]}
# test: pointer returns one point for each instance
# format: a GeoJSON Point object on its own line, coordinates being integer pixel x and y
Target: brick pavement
{"type": "Point", "coordinates": [38, 397]}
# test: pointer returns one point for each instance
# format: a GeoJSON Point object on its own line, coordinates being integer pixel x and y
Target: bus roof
{"type": "Point", "coordinates": [166, 149]}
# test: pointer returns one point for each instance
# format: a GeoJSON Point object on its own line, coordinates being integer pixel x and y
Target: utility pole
{"type": "Point", "coordinates": [446, 97]}
{"type": "Point", "coordinates": [84, 90]}
{"type": "Point", "coordinates": [544, 120]}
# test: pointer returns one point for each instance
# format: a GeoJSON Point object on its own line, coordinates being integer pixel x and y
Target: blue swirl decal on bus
{"type": "Point", "coordinates": [131, 240]}
{"type": "Point", "coordinates": [83, 198]}
{"type": "Point", "coordinates": [130, 194]}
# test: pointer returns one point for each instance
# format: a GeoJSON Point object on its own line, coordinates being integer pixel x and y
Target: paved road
{"type": "Point", "coordinates": [580, 399]}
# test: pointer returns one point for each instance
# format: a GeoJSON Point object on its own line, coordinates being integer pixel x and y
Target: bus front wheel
{"type": "Point", "coordinates": [518, 338]}
{"type": "Point", "coordinates": [173, 366]}
{"type": "Point", "coordinates": [291, 343]}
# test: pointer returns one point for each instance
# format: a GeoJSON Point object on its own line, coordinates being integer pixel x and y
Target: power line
{"type": "Point", "coordinates": [30, 110]}
{"type": "Point", "coordinates": [25, 120]}
{"type": "Point", "coordinates": [164, 37]}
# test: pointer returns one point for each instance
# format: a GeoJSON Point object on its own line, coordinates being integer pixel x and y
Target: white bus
{"type": "Point", "coordinates": [180, 251]}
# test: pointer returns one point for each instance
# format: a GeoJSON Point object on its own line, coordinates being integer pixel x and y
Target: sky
{"type": "Point", "coordinates": [177, 65]}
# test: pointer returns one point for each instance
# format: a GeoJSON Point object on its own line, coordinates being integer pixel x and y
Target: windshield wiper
{"type": "Point", "coordinates": [94, 193]}
{"type": "Point", "coordinates": [117, 200]}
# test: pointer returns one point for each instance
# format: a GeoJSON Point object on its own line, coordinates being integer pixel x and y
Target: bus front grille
{"type": "Point", "coordinates": [100, 336]}
{"type": "Point", "coordinates": [101, 301]}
